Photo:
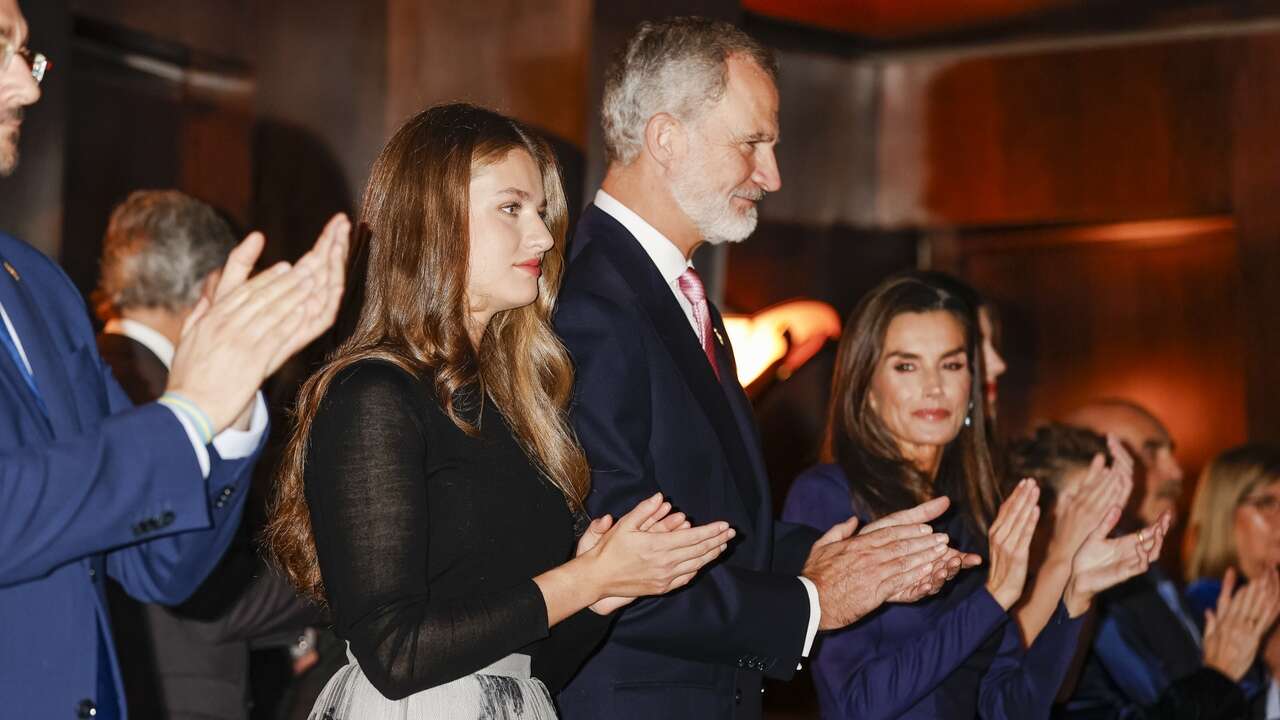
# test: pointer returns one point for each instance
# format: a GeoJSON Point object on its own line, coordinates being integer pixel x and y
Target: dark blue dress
{"type": "Point", "coordinates": [954, 655]}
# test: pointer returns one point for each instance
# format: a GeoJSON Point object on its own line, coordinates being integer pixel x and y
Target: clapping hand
{"type": "Point", "coordinates": [648, 551]}
{"type": "Point", "coordinates": [1103, 562]}
{"type": "Point", "coordinates": [1010, 541]}
{"type": "Point", "coordinates": [896, 557]}
{"type": "Point", "coordinates": [947, 567]}
{"type": "Point", "coordinates": [1080, 507]}
{"type": "Point", "coordinates": [661, 520]}
{"type": "Point", "coordinates": [233, 341]}
{"type": "Point", "coordinates": [1234, 630]}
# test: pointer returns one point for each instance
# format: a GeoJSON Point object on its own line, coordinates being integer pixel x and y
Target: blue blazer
{"type": "Point", "coordinates": [93, 488]}
{"type": "Point", "coordinates": [954, 655]}
{"type": "Point", "coordinates": [652, 416]}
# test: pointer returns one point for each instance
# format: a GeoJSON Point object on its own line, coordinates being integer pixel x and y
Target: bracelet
{"type": "Point", "coordinates": [192, 412]}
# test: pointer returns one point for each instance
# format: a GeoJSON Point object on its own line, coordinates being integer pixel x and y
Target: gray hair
{"type": "Point", "coordinates": [159, 247]}
{"type": "Point", "coordinates": [678, 66]}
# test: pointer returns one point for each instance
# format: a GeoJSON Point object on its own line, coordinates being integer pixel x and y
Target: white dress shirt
{"type": "Point", "coordinates": [1273, 700]}
{"type": "Point", "coordinates": [231, 444]}
{"type": "Point", "coordinates": [671, 264]}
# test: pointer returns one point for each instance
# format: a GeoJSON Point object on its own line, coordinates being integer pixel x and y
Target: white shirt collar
{"type": "Point", "coordinates": [1273, 700]}
{"type": "Point", "coordinates": [150, 338]}
{"type": "Point", "coordinates": [670, 261]}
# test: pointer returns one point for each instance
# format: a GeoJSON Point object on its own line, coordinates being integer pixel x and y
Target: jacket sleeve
{"type": "Point", "coordinates": [856, 673]}
{"type": "Point", "coordinates": [726, 615]}
{"type": "Point", "coordinates": [167, 568]}
{"type": "Point", "coordinates": [128, 478]}
{"type": "Point", "coordinates": [1022, 683]}
{"type": "Point", "coordinates": [131, 478]}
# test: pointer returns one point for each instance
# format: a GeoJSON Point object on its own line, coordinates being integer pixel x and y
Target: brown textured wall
{"type": "Point", "coordinates": [1080, 135]}
{"type": "Point", "coordinates": [528, 59]}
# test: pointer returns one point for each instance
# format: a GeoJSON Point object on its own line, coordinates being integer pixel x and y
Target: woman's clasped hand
{"type": "Point", "coordinates": [648, 551]}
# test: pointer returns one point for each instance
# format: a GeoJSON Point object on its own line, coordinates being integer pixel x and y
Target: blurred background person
{"type": "Point", "coordinates": [1147, 652]}
{"type": "Point", "coordinates": [1234, 526]}
{"type": "Point", "coordinates": [1158, 475]}
{"type": "Point", "coordinates": [993, 363]}
{"type": "Point", "coordinates": [162, 251]}
{"type": "Point", "coordinates": [907, 423]}
{"type": "Point", "coordinates": [1234, 521]}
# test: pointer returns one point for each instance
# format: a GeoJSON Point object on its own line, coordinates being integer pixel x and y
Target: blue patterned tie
{"type": "Point", "coordinates": [12, 348]}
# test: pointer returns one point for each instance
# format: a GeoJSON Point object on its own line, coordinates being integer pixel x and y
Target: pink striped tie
{"type": "Point", "coordinates": [691, 286]}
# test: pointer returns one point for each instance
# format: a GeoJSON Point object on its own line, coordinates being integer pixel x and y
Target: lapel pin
{"type": "Point", "coordinates": [719, 337]}
{"type": "Point", "coordinates": [11, 271]}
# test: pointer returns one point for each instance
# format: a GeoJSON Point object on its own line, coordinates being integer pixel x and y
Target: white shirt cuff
{"type": "Point", "coordinates": [202, 455]}
{"type": "Point", "coordinates": [815, 614]}
{"type": "Point", "coordinates": [235, 444]}
{"type": "Point", "coordinates": [230, 444]}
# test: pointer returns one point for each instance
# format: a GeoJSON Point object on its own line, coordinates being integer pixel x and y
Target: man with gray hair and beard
{"type": "Point", "coordinates": [690, 117]}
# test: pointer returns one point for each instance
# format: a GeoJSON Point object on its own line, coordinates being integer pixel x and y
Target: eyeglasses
{"type": "Point", "coordinates": [38, 63]}
{"type": "Point", "coordinates": [1265, 504]}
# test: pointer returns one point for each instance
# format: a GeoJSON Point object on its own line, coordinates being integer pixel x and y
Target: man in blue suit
{"type": "Point", "coordinates": [690, 121]}
{"type": "Point", "coordinates": [91, 486]}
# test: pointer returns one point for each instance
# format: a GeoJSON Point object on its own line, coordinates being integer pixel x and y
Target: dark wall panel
{"type": "Point", "coordinates": [1256, 110]}
{"type": "Point", "coordinates": [1146, 311]}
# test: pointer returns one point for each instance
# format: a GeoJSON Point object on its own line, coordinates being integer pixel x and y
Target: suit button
{"type": "Point", "coordinates": [86, 709]}
{"type": "Point", "coordinates": [167, 519]}
{"type": "Point", "coordinates": [737, 696]}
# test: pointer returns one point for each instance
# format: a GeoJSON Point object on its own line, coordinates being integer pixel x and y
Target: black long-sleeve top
{"type": "Point", "coordinates": [429, 539]}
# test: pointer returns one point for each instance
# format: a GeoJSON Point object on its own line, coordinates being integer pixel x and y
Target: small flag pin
{"type": "Point", "coordinates": [11, 271]}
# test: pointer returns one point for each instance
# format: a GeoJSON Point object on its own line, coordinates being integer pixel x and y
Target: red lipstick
{"type": "Point", "coordinates": [933, 414]}
{"type": "Point", "coordinates": [533, 267]}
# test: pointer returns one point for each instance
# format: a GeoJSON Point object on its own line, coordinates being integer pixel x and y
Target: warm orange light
{"type": "Point", "coordinates": [758, 340]}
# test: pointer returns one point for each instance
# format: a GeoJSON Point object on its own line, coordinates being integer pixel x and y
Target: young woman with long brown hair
{"type": "Point", "coordinates": [431, 488]}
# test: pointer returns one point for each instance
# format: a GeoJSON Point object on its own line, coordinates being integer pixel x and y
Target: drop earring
{"type": "Point", "coordinates": [968, 418]}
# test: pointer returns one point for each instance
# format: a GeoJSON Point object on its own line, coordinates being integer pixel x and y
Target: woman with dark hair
{"type": "Point", "coordinates": [988, 323]}
{"type": "Point", "coordinates": [430, 491]}
{"type": "Point", "coordinates": [906, 424]}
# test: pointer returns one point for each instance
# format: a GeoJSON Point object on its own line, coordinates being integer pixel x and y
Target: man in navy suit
{"type": "Point", "coordinates": [690, 120]}
{"type": "Point", "coordinates": [91, 486]}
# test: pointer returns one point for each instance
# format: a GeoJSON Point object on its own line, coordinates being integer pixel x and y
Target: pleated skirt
{"type": "Point", "coordinates": [504, 690]}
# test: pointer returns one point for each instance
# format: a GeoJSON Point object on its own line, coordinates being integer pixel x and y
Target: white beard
{"type": "Point", "coordinates": [712, 213]}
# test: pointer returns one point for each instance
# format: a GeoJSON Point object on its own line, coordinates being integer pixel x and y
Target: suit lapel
{"type": "Point", "coordinates": [638, 270]}
{"type": "Point", "coordinates": [50, 375]}
{"type": "Point", "coordinates": [737, 397]}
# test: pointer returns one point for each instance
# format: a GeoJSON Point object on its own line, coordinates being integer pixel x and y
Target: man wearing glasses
{"type": "Point", "coordinates": [91, 486]}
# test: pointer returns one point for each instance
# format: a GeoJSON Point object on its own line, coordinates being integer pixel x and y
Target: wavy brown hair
{"type": "Point", "coordinates": [413, 245]}
{"type": "Point", "coordinates": [879, 476]}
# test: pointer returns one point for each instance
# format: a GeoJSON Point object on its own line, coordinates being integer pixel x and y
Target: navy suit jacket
{"type": "Point", "coordinates": [95, 487]}
{"type": "Point", "coordinates": [652, 416]}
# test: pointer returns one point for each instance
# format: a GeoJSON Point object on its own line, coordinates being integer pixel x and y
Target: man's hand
{"type": "Point", "coordinates": [252, 325]}
{"type": "Point", "coordinates": [888, 559]}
